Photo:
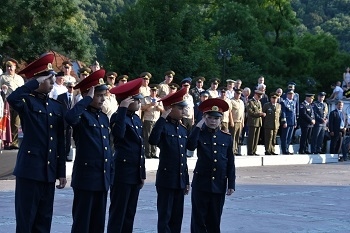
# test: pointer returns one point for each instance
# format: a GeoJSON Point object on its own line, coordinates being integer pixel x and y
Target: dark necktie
{"type": "Point", "coordinates": [69, 100]}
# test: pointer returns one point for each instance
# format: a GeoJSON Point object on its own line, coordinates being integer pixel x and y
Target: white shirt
{"type": "Point", "coordinates": [57, 90]}
{"type": "Point", "coordinates": [340, 91]}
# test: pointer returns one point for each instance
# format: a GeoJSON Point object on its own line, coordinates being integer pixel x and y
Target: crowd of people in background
{"type": "Point", "coordinates": [117, 123]}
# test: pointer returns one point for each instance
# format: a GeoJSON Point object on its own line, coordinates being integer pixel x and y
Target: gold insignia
{"type": "Point", "coordinates": [215, 108]}
{"type": "Point", "coordinates": [49, 66]}
{"type": "Point", "coordinates": [100, 81]}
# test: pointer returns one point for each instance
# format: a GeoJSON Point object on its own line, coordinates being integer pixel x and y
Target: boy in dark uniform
{"type": "Point", "coordinates": [129, 157]}
{"type": "Point", "coordinates": [91, 175]}
{"type": "Point", "coordinates": [172, 181]}
{"type": "Point", "coordinates": [41, 157]}
{"type": "Point", "coordinates": [214, 174]}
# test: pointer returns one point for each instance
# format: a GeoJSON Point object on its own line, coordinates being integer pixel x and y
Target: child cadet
{"type": "Point", "coordinates": [172, 181]}
{"type": "Point", "coordinates": [214, 174]}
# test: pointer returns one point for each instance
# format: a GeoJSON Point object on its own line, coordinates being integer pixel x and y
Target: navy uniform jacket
{"type": "Point", "coordinates": [92, 169]}
{"type": "Point", "coordinates": [320, 111]}
{"type": "Point", "coordinates": [41, 156]}
{"type": "Point", "coordinates": [129, 150]}
{"type": "Point", "coordinates": [289, 114]}
{"type": "Point", "coordinates": [306, 115]}
{"type": "Point", "coordinates": [296, 100]}
{"type": "Point", "coordinates": [215, 167]}
{"type": "Point", "coordinates": [171, 138]}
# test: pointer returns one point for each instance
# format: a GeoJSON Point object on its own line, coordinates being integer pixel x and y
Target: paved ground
{"type": "Point", "coordinates": [274, 199]}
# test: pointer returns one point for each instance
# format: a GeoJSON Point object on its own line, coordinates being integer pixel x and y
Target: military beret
{"type": "Point", "coordinates": [131, 88]}
{"type": "Point", "coordinates": [85, 70]}
{"type": "Point", "coordinates": [94, 79]}
{"type": "Point", "coordinates": [11, 61]}
{"type": "Point", "coordinates": [146, 75]}
{"type": "Point", "coordinates": [41, 66]}
{"type": "Point", "coordinates": [169, 72]}
{"type": "Point", "coordinates": [214, 107]}
{"type": "Point", "coordinates": [230, 81]}
{"type": "Point", "coordinates": [199, 79]}
{"type": "Point", "coordinates": [173, 86]}
{"type": "Point", "coordinates": [176, 98]}
{"type": "Point", "coordinates": [111, 74]}
{"type": "Point", "coordinates": [186, 81]}
{"type": "Point", "coordinates": [122, 78]}
{"type": "Point", "coordinates": [215, 80]}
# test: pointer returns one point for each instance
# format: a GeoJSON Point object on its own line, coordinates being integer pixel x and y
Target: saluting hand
{"type": "Point", "coordinates": [201, 122]}
{"type": "Point", "coordinates": [166, 113]}
{"type": "Point", "coordinates": [62, 183]}
{"type": "Point", "coordinates": [126, 102]}
{"type": "Point", "coordinates": [91, 92]}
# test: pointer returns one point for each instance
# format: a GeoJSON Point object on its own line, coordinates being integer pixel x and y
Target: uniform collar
{"type": "Point", "coordinates": [92, 109]}
{"type": "Point", "coordinates": [173, 121]}
{"type": "Point", "coordinates": [210, 130]}
{"type": "Point", "coordinates": [130, 113]}
{"type": "Point", "coordinates": [39, 95]}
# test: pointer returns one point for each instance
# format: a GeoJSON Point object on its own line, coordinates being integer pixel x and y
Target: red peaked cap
{"type": "Point", "coordinates": [214, 107]}
{"type": "Point", "coordinates": [41, 65]}
{"type": "Point", "coordinates": [94, 79]}
{"type": "Point", "coordinates": [176, 98]}
{"type": "Point", "coordinates": [131, 88]}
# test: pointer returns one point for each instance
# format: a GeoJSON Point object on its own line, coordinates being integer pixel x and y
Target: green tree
{"type": "Point", "coordinates": [29, 28]}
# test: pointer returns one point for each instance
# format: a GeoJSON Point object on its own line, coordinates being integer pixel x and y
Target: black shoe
{"type": "Point", "coordinates": [267, 153]}
{"type": "Point", "coordinates": [273, 153]}
{"type": "Point", "coordinates": [7, 148]}
{"type": "Point", "coordinates": [13, 147]}
{"type": "Point", "coordinates": [155, 157]}
{"type": "Point", "coordinates": [68, 160]}
{"type": "Point", "coordinates": [148, 157]}
{"type": "Point", "coordinates": [290, 153]}
{"type": "Point", "coordinates": [238, 154]}
{"type": "Point", "coordinates": [307, 152]}
{"type": "Point", "coordinates": [256, 154]}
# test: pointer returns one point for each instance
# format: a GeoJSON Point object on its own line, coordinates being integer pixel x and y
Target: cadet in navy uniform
{"type": "Point", "coordinates": [172, 181]}
{"type": "Point", "coordinates": [41, 158]}
{"type": "Point", "coordinates": [129, 157]}
{"type": "Point", "coordinates": [307, 121]}
{"type": "Point", "coordinates": [214, 174]}
{"type": "Point", "coordinates": [91, 175]}
{"type": "Point", "coordinates": [321, 114]}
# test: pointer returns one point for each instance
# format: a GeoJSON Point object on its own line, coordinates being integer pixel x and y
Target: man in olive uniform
{"type": "Point", "coordinates": [173, 87]}
{"type": "Point", "coordinates": [163, 87]}
{"type": "Point", "coordinates": [272, 110]}
{"type": "Point", "coordinates": [145, 90]}
{"type": "Point", "coordinates": [307, 121]}
{"type": "Point", "coordinates": [41, 156]}
{"type": "Point", "coordinates": [84, 72]}
{"type": "Point", "coordinates": [254, 121]}
{"type": "Point", "coordinates": [111, 76]}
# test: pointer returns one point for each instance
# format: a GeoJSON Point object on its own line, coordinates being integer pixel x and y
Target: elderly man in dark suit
{"type": "Point", "coordinates": [306, 121]}
{"type": "Point", "coordinates": [67, 100]}
{"type": "Point", "coordinates": [41, 158]}
{"type": "Point", "coordinates": [337, 126]}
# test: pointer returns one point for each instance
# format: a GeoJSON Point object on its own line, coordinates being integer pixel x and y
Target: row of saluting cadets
{"type": "Point", "coordinates": [41, 157]}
